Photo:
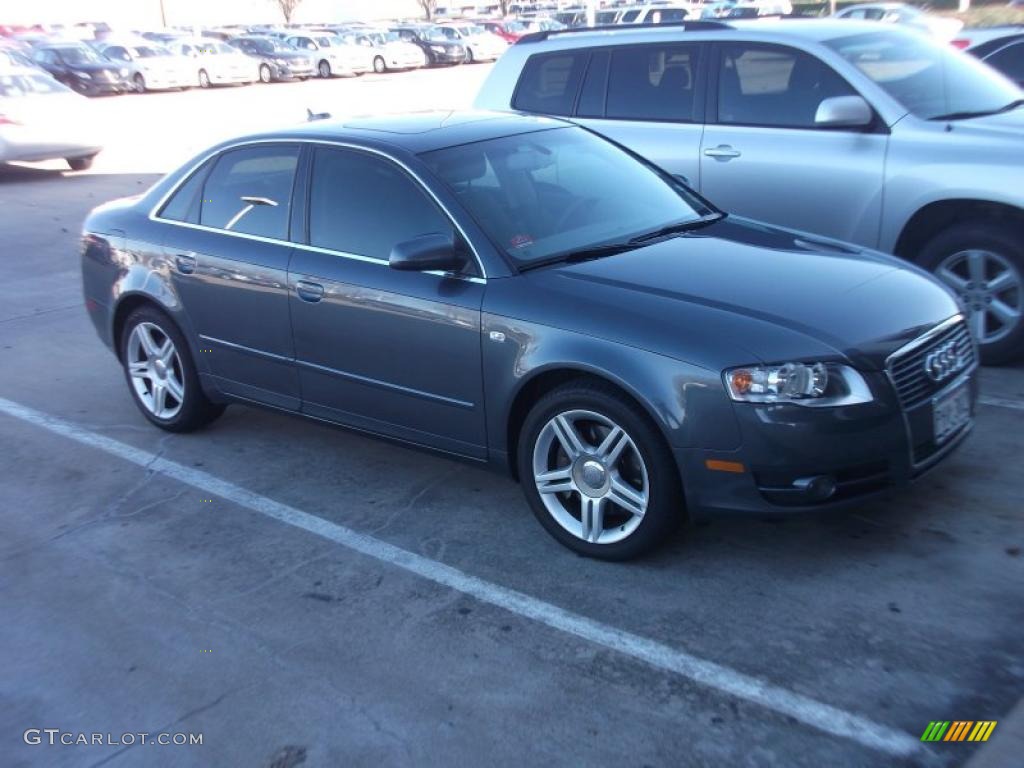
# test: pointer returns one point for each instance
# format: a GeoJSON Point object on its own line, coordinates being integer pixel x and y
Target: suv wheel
{"type": "Point", "coordinates": [161, 375]}
{"type": "Point", "coordinates": [597, 473]}
{"type": "Point", "coordinates": [984, 265]}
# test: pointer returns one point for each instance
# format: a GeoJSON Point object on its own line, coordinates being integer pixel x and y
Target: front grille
{"type": "Point", "coordinates": [913, 385]}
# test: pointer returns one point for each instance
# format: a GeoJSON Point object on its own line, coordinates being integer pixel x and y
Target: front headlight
{"type": "Point", "coordinates": [437, 48]}
{"type": "Point", "coordinates": [125, 71]}
{"type": "Point", "coordinates": [83, 75]}
{"type": "Point", "coordinates": [807, 384]}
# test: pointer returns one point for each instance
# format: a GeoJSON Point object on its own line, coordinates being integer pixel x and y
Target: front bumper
{"type": "Point", "coordinates": [867, 450]}
{"type": "Point", "coordinates": [292, 71]}
{"type": "Point", "coordinates": [448, 57]}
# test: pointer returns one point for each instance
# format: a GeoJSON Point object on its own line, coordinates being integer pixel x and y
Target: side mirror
{"type": "Point", "coordinates": [843, 112]}
{"type": "Point", "coordinates": [426, 253]}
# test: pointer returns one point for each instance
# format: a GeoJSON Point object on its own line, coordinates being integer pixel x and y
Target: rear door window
{"type": "Point", "coordinates": [249, 190]}
{"type": "Point", "coordinates": [1009, 61]}
{"type": "Point", "coordinates": [653, 82]}
{"type": "Point", "coordinates": [549, 83]}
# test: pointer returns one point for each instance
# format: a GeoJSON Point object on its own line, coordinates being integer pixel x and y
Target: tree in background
{"type": "Point", "coordinates": [288, 8]}
{"type": "Point", "coordinates": [428, 6]}
{"type": "Point", "coordinates": [503, 7]}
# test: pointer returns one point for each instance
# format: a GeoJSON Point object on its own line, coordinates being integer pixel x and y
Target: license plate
{"type": "Point", "coordinates": [950, 412]}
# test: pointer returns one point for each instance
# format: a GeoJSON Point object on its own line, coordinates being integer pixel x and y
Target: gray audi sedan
{"type": "Point", "coordinates": [521, 293]}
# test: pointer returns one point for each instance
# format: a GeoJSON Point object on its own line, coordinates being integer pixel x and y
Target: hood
{"type": "Point", "coordinates": [1006, 125]}
{"type": "Point", "coordinates": [91, 67]}
{"type": "Point", "coordinates": [739, 292]}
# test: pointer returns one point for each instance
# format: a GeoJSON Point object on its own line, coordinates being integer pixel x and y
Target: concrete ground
{"type": "Point", "coordinates": [278, 616]}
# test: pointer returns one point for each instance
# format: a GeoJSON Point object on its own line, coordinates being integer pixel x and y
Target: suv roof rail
{"type": "Point", "coordinates": [696, 26]}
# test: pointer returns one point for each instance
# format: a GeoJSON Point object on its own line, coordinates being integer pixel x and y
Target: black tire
{"type": "Point", "coordinates": [469, 56]}
{"type": "Point", "coordinates": [80, 163]}
{"type": "Point", "coordinates": [197, 411]}
{"type": "Point", "coordinates": [265, 74]}
{"type": "Point", "coordinates": [324, 68]}
{"type": "Point", "coordinates": [665, 506]}
{"type": "Point", "coordinates": [1007, 242]}
{"type": "Point", "coordinates": [379, 65]}
{"type": "Point", "coordinates": [140, 82]}
{"type": "Point", "coordinates": [204, 79]}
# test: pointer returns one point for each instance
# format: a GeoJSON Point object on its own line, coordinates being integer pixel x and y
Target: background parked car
{"type": "Point", "coordinates": [941, 27]}
{"type": "Point", "coordinates": [1002, 48]}
{"type": "Point", "coordinates": [83, 69]}
{"type": "Point", "coordinates": [277, 60]}
{"type": "Point", "coordinates": [389, 51]}
{"type": "Point", "coordinates": [41, 119]}
{"type": "Point", "coordinates": [480, 44]}
{"type": "Point", "coordinates": [332, 54]}
{"type": "Point", "coordinates": [437, 47]}
{"type": "Point", "coordinates": [152, 67]}
{"type": "Point", "coordinates": [216, 62]}
{"type": "Point", "coordinates": [509, 30]}
{"type": "Point", "coordinates": [1008, 60]}
{"type": "Point", "coordinates": [865, 132]}
{"type": "Point", "coordinates": [653, 14]}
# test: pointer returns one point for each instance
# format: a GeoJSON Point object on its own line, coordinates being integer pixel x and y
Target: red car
{"type": "Point", "coordinates": [508, 30]}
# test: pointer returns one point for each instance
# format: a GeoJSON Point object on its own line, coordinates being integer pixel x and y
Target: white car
{"type": "Point", "coordinates": [480, 44]}
{"type": "Point", "coordinates": [216, 63]}
{"type": "Point", "coordinates": [40, 119]}
{"type": "Point", "coordinates": [153, 66]}
{"type": "Point", "coordinates": [332, 54]}
{"type": "Point", "coordinates": [390, 52]}
{"type": "Point", "coordinates": [941, 27]}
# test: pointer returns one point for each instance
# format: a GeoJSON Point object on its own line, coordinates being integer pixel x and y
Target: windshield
{"type": "Point", "coordinates": [931, 79]}
{"type": "Point", "coordinates": [437, 34]}
{"type": "Point", "coordinates": [148, 52]}
{"type": "Point", "coordinates": [72, 56]}
{"type": "Point", "coordinates": [551, 193]}
{"type": "Point", "coordinates": [266, 45]}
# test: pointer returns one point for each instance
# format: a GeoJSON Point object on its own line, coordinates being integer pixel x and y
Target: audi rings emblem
{"type": "Point", "coordinates": [944, 361]}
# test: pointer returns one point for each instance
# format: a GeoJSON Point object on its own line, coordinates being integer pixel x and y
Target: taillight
{"type": "Point", "coordinates": [961, 44]}
{"type": "Point", "coordinates": [5, 120]}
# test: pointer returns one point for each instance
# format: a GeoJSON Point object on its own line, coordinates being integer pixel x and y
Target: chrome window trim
{"type": "Point", "coordinates": [153, 216]}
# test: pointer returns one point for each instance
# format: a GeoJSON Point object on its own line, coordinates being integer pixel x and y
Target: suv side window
{"type": "Point", "coordinates": [772, 85]}
{"type": "Point", "coordinates": [345, 210]}
{"type": "Point", "coordinates": [250, 191]}
{"type": "Point", "coordinates": [549, 82]}
{"type": "Point", "coordinates": [653, 82]}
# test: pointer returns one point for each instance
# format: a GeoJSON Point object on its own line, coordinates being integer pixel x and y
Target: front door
{"type": "Point", "coordinates": [763, 157]}
{"type": "Point", "coordinates": [392, 352]}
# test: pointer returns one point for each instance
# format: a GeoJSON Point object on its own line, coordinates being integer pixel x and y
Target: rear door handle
{"type": "Point", "coordinates": [311, 292]}
{"type": "Point", "coordinates": [723, 152]}
{"type": "Point", "coordinates": [186, 263]}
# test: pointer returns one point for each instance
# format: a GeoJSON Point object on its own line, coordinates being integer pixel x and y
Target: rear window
{"type": "Point", "coordinates": [549, 83]}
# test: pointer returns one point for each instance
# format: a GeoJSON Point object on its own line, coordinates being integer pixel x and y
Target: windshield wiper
{"type": "Point", "coordinates": [980, 113]}
{"type": "Point", "coordinates": [678, 228]}
{"type": "Point", "coordinates": [583, 254]}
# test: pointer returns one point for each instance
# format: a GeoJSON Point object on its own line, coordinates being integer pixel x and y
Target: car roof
{"type": "Point", "coordinates": [418, 132]}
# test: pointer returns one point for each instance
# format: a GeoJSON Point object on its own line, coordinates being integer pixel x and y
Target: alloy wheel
{"type": "Point", "coordinates": [379, 65]}
{"type": "Point", "coordinates": [155, 370]}
{"type": "Point", "coordinates": [590, 476]}
{"type": "Point", "coordinates": [991, 288]}
{"type": "Point", "coordinates": [204, 79]}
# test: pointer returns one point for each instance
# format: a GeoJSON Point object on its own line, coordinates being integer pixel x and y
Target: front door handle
{"type": "Point", "coordinates": [311, 292]}
{"type": "Point", "coordinates": [722, 152]}
{"type": "Point", "coordinates": [186, 263]}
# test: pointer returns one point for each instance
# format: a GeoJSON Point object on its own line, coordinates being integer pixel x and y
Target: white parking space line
{"type": "Point", "coordinates": [1001, 402]}
{"type": "Point", "coordinates": [816, 714]}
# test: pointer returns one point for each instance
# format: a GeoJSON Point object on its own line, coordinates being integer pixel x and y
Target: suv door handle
{"type": "Point", "coordinates": [186, 263]}
{"type": "Point", "coordinates": [723, 152]}
{"type": "Point", "coordinates": [311, 292]}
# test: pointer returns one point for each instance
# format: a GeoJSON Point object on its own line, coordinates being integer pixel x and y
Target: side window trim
{"type": "Point", "coordinates": [192, 211]}
{"type": "Point", "coordinates": [715, 62]}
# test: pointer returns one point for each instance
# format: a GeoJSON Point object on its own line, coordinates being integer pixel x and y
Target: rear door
{"type": "Point", "coordinates": [762, 155]}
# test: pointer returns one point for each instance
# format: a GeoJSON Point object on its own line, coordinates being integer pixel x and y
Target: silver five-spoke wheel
{"type": "Point", "coordinates": [991, 288]}
{"type": "Point", "coordinates": [590, 476]}
{"type": "Point", "coordinates": [155, 370]}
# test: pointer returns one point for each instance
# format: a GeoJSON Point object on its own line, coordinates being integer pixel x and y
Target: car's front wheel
{"type": "Point", "coordinates": [204, 79]}
{"type": "Point", "coordinates": [161, 375]}
{"type": "Point", "coordinates": [265, 74]}
{"type": "Point", "coordinates": [597, 473]}
{"type": "Point", "coordinates": [984, 265]}
{"type": "Point", "coordinates": [140, 82]}
{"type": "Point", "coordinates": [379, 65]}
{"type": "Point", "coordinates": [324, 69]}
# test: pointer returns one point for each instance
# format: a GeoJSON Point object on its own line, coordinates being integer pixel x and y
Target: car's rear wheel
{"type": "Point", "coordinates": [984, 265]}
{"type": "Point", "coordinates": [161, 375]}
{"type": "Point", "coordinates": [265, 74]}
{"type": "Point", "coordinates": [204, 79]}
{"type": "Point", "coordinates": [597, 473]}
{"type": "Point", "coordinates": [324, 68]}
{"type": "Point", "coordinates": [379, 65]}
{"type": "Point", "coordinates": [80, 163]}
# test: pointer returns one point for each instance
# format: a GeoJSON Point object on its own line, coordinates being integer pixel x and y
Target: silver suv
{"type": "Point", "coordinates": [858, 131]}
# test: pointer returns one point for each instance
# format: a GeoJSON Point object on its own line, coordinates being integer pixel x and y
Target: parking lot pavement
{"type": "Point", "coordinates": [140, 592]}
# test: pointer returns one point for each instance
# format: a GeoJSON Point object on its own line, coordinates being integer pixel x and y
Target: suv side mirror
{"type": "Point", "coordinates": [426, 253]}
{"type": "Point", "coordinates": [843, 112]}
